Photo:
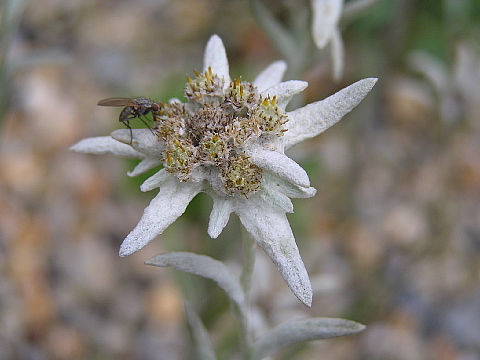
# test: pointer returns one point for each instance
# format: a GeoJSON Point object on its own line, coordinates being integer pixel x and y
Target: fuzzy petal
{"type": "Point", "coordinates": [270, 228]}
{"type": "Point", "coordinates": [103, 145]}
{"type": "Point", "coordinates": [326, 15]}
{"type": "Point", "coordinates": [296, 192]}
{"type": "Point", "coordinates": [277, 198]}
{"type": "Point", "coordinates": [285, 91]}
{"type": "Point", "coordinates": [287, 188]}
{"type": "Point", "coordinates": [219, 216]}
{"type": "Point", "coordinates": [313, 119]}
{"type": "Point", "coordinates": [164, 209]}
{"type": "Point", "coordinates": [144, 166]}
{"type": "Point", "coordinates": [281, 165]}
{"type": "Point", "coordinates": [155, 181]}
{"type": "Point", "coordinates": [174, 101]}
{"type": "Point", "coordinates": [141, 140]}
{"type": "Point", "coordinates": [271, 76]}
{"type": "Point", "coordinates": [216, 58]}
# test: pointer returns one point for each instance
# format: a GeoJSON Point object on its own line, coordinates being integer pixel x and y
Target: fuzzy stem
{"type": "Point", "coordinates": [249, 247]}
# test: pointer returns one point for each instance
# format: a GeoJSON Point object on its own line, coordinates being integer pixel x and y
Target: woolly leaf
{"type": "Point", "coordinates": [294, 331]}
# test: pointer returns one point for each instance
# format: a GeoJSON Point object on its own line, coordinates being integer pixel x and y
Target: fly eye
{"type": "Point", "coordinates": [155, 107]}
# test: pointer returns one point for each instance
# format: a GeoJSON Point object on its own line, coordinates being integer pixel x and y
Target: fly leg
{"type": "Point", "coordinates": [126, 122]}
{"type": "Point", "coordinates": [146, 124]}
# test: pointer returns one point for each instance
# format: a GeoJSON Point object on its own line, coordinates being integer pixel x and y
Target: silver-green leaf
{"type": "Point", "coordinates": [208, 268]}
{"type": "Point", "coordinates": [294, 331]}
{"type": "Point", "coordinates": [201, 340]}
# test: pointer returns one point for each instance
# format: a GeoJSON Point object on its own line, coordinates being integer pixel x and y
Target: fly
{"type": "Point", "coordinates": [134, 108]}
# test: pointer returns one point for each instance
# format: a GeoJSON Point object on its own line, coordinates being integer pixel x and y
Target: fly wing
{"type": "Point", "coordinates": [117, 101]}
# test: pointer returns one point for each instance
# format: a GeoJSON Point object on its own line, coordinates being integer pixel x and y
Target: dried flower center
{"type": "Point", "coordinates": [214, 129]}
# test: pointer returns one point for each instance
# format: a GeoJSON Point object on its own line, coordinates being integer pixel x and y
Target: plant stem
{"type": "Point", "coordinates": [249, 247]}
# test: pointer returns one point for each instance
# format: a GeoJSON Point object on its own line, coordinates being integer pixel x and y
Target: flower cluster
{"type": "Point", "coordinates": [229, 140]}
{"type": "Point", "coordinates": [215, 129]}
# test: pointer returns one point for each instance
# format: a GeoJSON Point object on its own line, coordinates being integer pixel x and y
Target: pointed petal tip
{"type": "Point", "coordinates": [280, 64]}
{"type": "Point", "coordinates": [270, 228]}
{"type": "Point", "coordinates": [104, 145]}
{"type": "Point", "coordinates": [271, 76]}
{"type": "Point", "coordinates": [304, 293]}
{"type": "Point", "coordinates": [307, 300]}
{"type": "Point", "coordinates": [74, 148]}
{"type": "Point", "coordinates": [313, 119]}
{"type": "Point", "coordinates": [298, 281]}
{"type": "Point", "coordinates": [213, 233]}
{"type": "Point", "coordinates": [88, 145]}
{"type": "Point", "coordinates": [215, 57]}
{"type": "Point", "coordinates": [219, 216]}
{"type": "Point", "coordinates": [370, 81]}
{"type": "Point", "coordinates": [130, 246]}
{"type": "Point", "coordinates": [214, 230]}
{"type": "Point", "coordinates": [365, 85]}
{"type": "Point", "coordinates": [215, 37]}
{"type": "Point", "coordinates": [139, 237]}
{"type": "Point", "coordinates": [122, 135]}
{"type": "Point", "coordinates": [123, 252]}
{"type": "Point", "coordinates": [214, 43]}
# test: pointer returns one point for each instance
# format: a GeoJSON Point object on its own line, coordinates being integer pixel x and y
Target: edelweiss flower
{"type": "Point", "coordinates": [228, 140]}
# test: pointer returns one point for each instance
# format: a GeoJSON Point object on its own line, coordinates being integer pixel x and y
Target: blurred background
{"type": "Point", "coordinates": [391, 240]}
